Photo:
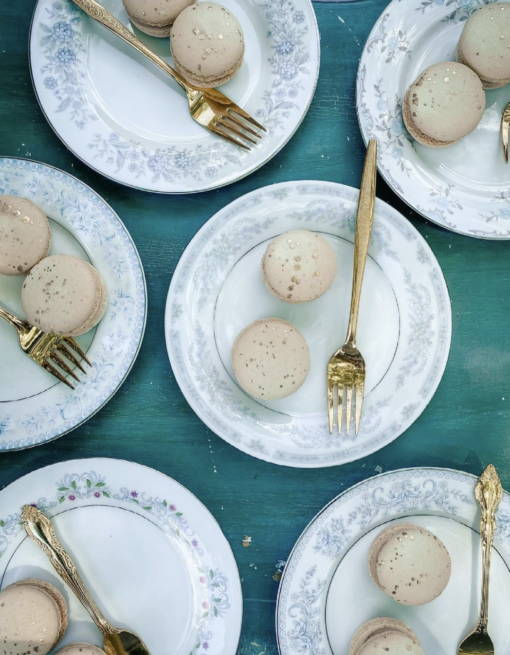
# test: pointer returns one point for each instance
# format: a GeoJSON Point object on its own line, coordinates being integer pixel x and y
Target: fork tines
{"type": "Point", "coordinates": [336, 393]}
{"type": "Point", "coordinates": [66, 346]}
{"type": "Point", "coordinates": [235, 126]}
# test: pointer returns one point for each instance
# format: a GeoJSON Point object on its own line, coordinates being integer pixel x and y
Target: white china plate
{"type": "Point", "coordinates": [465, 187]}
{"type": "Point", "coordinates": [34, 407]}
{"type": "Point", "coordinates": [126, 119]}
{"type": "Point", "coordinates": [326, 591]}
{"type": "Point", "coordinates": [404, 331]}
{"type": "Point", "coordinates": [147, 549]}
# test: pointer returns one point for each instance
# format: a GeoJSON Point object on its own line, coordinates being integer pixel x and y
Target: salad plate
{"type": "Point", "coordinates": [34, 407]}
{"type": "Point", "coordinates": [465, 187]}
{"type": "Point", "coordinates": [326, 592]}
{"type": "Point", "coordinates": [135, 535]}
{"type": "Point", "coordinates": [126, 119]}
{"type": "Point", "coordinates": [404, 328]}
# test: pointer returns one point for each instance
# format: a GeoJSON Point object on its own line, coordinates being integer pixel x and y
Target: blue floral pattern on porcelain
{"type": "Point", "coordinates": [51, 414]}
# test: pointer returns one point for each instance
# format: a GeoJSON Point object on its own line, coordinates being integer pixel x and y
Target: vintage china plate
{"type": "Point", "coordinates": [34, 407]}
{"type": "Point", "coordinates": [466, 187]}
{"type": "Point", "coordinates": [126, 119]}
{"type": "Point", "coordinates": [150, 553]}
{"type": "Point", "coordinates": [326, 592]}
{"type": "Point", "coordinates": [404, 333]}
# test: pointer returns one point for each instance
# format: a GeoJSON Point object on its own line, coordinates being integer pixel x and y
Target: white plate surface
{"type": "Point", "coordinates": [150, 553]}
{"type": "Point", "coordinates": [326, 591]}
{"type": "Point", "coordinates": [128, 120]}
{"type": "Point", "coordinates": [34, 407]}
{"type": "Point", "coordinates": [404, 331]}
{"type": "Point", "coordinates": [465, 187]}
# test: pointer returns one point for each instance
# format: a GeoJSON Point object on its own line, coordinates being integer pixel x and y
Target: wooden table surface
{"type": "Point", "coordinates": [466, 426]}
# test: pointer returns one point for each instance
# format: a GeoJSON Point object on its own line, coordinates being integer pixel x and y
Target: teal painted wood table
{"type": "Point", "coordinates": [466, 426]}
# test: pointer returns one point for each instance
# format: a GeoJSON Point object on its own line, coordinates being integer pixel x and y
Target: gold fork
{"type": "Point", "coordinates": [505, 130]}
{"type": "Point", "coordinates": [208, 107]}
{"type": "Point", "coordinates": [346, 369]}
{"type": "Point", "coordinates": [488, 492]}
{"type": "Point", "coordinates": [44, 348]}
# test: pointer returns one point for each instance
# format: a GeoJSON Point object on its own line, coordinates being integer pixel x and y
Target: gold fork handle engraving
{"type": "Point", "coordinates": [505, 129]}
{"type": "Point", "coordinates": [10, 318]}
{"type": "Point", "coordinates": [103, 16]}
{"type": "Point", "coordinates": [40, 530]}
{"type": "Point", "coordinates": [364, 223]}
{"type": "Point", "coordinates": [489, 493]}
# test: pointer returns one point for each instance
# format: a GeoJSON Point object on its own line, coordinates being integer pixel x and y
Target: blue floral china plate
{"type": "Point", "coordinates": [465, 187]}
{"type": "Point", "coordinates": [34, 407]}
{"type": "Point", "coordinates": [404, 328]}
{"type": "Point", "coordinates": [326, 592]}
{"type": "Point", "coordinates": [129, 121]}
{"type": "Point", "coordinates": [150, 553]}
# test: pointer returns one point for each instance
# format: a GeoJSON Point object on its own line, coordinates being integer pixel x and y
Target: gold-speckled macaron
{"type": "Point", "coordinates": [155, 17]}
{"type": "Point", "coordinates": [385, 636]}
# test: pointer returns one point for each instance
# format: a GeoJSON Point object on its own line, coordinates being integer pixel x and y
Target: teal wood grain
{"type": "Point", "coordinates": [466, 426]}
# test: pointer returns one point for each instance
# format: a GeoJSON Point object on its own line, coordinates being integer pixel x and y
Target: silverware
{"type": "Point", "coordinates": [489, 493]}
{"type": "Point", "coordinates": [208, 107]}
{"type": "Point", "coordinates": [41, 531]}
{"type": "Point", "coordinates": [505, 130]}
{"type": "Point", "coordinates": [47, 349]}
{"type": "Point", "coordinates": [346, 369]}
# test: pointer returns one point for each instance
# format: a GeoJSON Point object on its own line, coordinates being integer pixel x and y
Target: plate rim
{"type": "Point", "coordinates": [146, 305]}
{"type": "Point", "coordinates": [168, 478]}
{"type": "Point", "coordinates": [382, 172]}
{"type": "Point", "coordinates": [178, 376]}
{"type": "Point", "coordinates": [378, 476]}
{"type": "Point", "coordinates": [237, 178]}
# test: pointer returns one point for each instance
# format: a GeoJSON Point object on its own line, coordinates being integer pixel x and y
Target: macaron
{"type": "Point", "coordinates": [299, 266]}
{"type": "Point", "coordinates": [484, 44]}
{"type": "Point", "coordinates": [155, 17]}
{"type": "Point", "coordinates": [207, 44]}
{"type": "Point", "coordinates": [81, 648]}
{"type": "Point", "coordinates": [270, 359]}
{"type": "Point", "coordinates": [444, 104]}
{"type": "Point", "coordinates": [410, 564]}
{"type": "Point", "coordinates": [385, 636]}
{"type": "Point", "coordinates": [25, 235]}
{"type": "Point", "coordinates": [64, 295]}
{"type": "Point", "coordinates": [33, 618]}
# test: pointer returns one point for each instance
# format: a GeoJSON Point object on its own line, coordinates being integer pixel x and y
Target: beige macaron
{"type": "Point", "coordinates": [299, 266]}
{"type": "Point", "coordinates": [410, 564]}
{"type": "Point", "coordinates": [25, 235]}
{"type": "Point", "coordinates": [385, 636]}
{"type": "Point", "coordinates": [155, 17]}
{"type": "Point", "coordinates": [207, 44]}
{"type": "Point", "coordinates": [444, 104]}
{"type": "Point", "coordinates": [270, 359]}
{"type": "Point", "coordinates": [81, 648]}
{"type": "Point", "coordinates": [33, 618]}
{"type": "Point", "coordinates": [64, 295]}
{"type": "Point", "coordinates": [484, 45]}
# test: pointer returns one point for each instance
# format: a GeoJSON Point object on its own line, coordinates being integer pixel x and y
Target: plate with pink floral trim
{"type": "Point", "coordinates": [128, 120]}
{"type": "Point", "coordinates": [148, 550]}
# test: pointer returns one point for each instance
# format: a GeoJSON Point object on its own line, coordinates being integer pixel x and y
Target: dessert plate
{"type": "Point", "coordinates": [404, 328]}
{"type": "Point", "coordinates": [326, 592]}
{"type": "Point", "coordinates": [135, 535]}
{"type": "Point", "coordinates": [126, 119]}
{"type": "Point", "coordinates": [34, 407]}
{"type": "Point", "coordinates": [465, 187]}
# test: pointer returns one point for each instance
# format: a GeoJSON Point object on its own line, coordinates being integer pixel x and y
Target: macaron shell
{"type": "Point", "coordinates": [62, 295]}
{"type": "Point", "coordinates": [484, 45]}
{"type": "Point", "coordinates": [299, 266]}
{"type": "Point", "coordinates": [81, 648]}
{"type": "Point", "coordinates": [376, 627]}
{"type": "Point", "coordinates": [59, 599]}
{"type": "Point", "coordinates": [207, 44]}
{"type": "Point", "coordinates": [29, 620]}
{"type": "Point", "coordinates": [444, 104]}
{"type": "Point", "coordinates": [25, 235]}
{"type": "Point", "coordinates": [101, 305]}
{"type": "Point", "coordinates": [410, 564]}
{"type": "Point", "coordinates": [391, 643]}
{"type": "Point", "coordinates": [270, 359]}
{"type": "Point", "coordinates": [155, 17]}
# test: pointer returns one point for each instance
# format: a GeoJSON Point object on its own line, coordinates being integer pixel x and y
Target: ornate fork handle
{"type": "Point", "coordinates": [13, 320]}
{"type": "Point", "coordinates": [489, 493]}
{"type": "Point", "coordinates": [103, 16]}
{"type": "Point", "coordinates": [41, 531]}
